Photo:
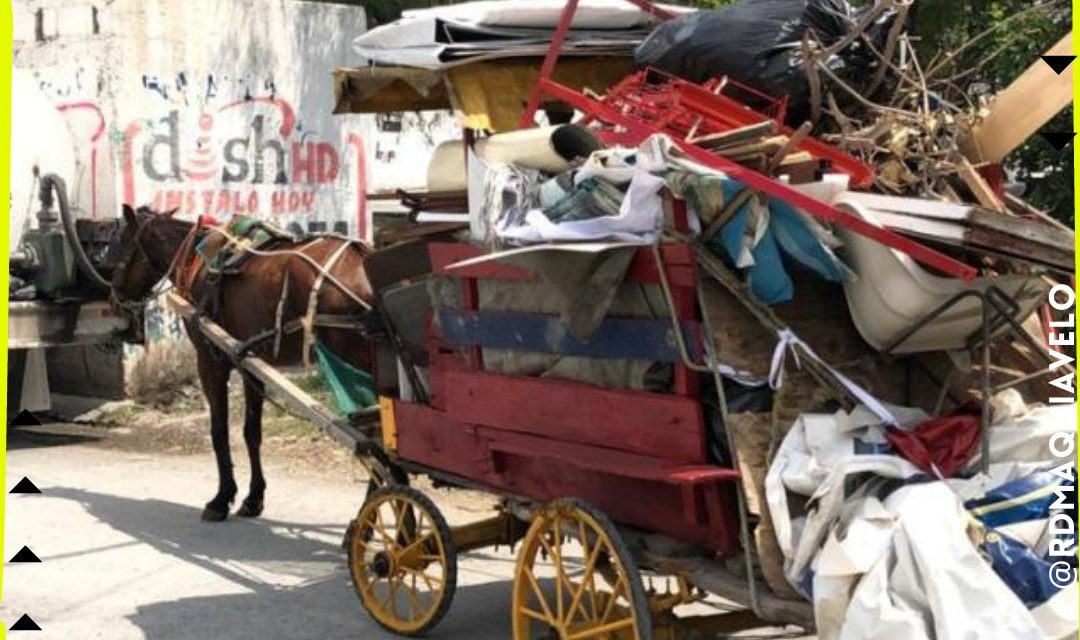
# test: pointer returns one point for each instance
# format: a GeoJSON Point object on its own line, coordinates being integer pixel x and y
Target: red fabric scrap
{"type": "Point", "coordinates": [947, 442]}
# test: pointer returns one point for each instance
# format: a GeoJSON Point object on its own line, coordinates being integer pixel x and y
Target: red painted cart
{"type": "Point", "coordinates": [598, 484]}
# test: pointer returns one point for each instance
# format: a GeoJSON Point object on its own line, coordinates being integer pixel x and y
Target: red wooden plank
{"type": "Point", "coordinates": [702, 513]}
{"type": "Point", "coordinates": [429, 437]}
{"type": "Point", "coordinates": [670, 427]}
{"type": "Point", "coordinates": [679, 259]}
{"type": "Point", "coordinates": [604, 460]}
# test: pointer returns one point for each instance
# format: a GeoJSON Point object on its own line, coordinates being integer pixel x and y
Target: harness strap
{"type": "Point", "coordinates": [187, 269]}
{"type": "Point", "coordinates": [280, 314]}
{"type": "Point", "coordinates": [313, 300]}
{"type": "Point", "coordinates": [323, 272]}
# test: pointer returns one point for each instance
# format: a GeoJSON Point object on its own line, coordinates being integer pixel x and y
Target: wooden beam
{"type": "Point", "coordinates": [1021, 109]}
{"type": "Point", "coordinates": [981, 189]}
{"type": "Point", "coordinates": [298, 400]}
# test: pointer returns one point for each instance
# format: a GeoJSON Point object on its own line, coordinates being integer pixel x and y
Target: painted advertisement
{"type": "Point", "coordinates": [221, 155]}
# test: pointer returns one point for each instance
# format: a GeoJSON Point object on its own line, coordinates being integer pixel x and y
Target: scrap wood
{"type": "Point", "coordinates": [768, 145]}
{"type": "Point", "coordinates": [768, 318]}
{"type": "Point", "coordinates": [789, 145]}
{"type": "Point", "coordinates": [1021, 207]}
{"type": "Point", "coordinates": [980, 188]}
{"type": "Point", "coordinates": [736, 136]}
{"type": "Point", "coordinates": [1020, 110]}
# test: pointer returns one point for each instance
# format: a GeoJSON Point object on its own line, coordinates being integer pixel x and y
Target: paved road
{"type": "Point", "coordinates": [126, 556]}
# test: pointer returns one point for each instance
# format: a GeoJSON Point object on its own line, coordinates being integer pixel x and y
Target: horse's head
{"type": "Point", "coordinates": [144, 254]}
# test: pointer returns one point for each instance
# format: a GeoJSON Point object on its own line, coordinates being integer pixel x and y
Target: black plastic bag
{"type": "Point", "coordinates": [758, 43]}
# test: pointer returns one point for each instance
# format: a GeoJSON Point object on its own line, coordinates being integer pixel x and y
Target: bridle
{"type": "Point", "coordinates": [137, 248]}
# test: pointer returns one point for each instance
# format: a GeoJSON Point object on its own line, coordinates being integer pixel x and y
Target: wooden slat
{"type": "Point", "coordinates": [678, 258]}
{"type": "Point", "coordinates": [1020, 110]}
{"type": "Point", "coordinates": [980, 188]}
{"type": "Point", "coordinates": [669, 427]}
{"type": "Point", "coordinates": [631, 338]}
{"type": "Point", "coordinates": [457, 451]}
{"type": "Point", "coordinates": [605, 460]}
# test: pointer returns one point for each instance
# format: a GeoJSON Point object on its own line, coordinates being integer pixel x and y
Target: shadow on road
{"type": "Point", "coordinates": [291, 578]}
{"type": "Point", "coordinates": [43, 436]}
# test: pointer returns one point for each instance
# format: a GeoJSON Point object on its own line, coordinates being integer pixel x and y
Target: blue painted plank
{"type": "Point", "coordinates": [631, 338]}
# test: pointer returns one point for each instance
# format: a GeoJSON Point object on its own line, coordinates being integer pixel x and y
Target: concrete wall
{"type": "Point", "coordinates": [215, 106]}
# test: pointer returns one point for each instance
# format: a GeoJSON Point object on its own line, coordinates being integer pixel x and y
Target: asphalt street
{"type": "Point", "coordinates": [125, 555]}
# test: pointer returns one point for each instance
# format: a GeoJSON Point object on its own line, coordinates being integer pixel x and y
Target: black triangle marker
{"type": "Point", "coordinates": [1058, 140]}
{"type": "Point", "coordinates": [1058, 63]}
{"type": "Point", "coordinates": [25, 419]}
{"type": "Point", "coordinates": [24, 624]}
{"type": "Point", "coordinates": [25, 555]}
{"type": "Point", "coordinates": [25, 486]}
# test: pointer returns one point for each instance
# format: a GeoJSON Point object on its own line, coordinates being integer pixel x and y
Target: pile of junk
{"type": "Point", "coordinates": [874, 294]}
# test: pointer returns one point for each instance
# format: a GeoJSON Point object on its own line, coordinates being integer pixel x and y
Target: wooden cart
{"type": "Point", "coordinates": [598, 485]}
{"type": "Point", "coordinates": [605, 493]}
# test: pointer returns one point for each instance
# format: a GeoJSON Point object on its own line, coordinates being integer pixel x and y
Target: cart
{"type": "Point", "coordinates": [598, 485]}
{"type": "Point", "coordinates": [617, 511]}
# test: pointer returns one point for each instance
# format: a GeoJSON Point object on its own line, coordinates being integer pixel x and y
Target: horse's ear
{"type": "Point", "coordinates": [129, 214]}
{"type": "Point", "coordinates": [171, 213]}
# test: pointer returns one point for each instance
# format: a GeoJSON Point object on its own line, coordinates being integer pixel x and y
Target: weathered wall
{"type": "Point", "coordinates": [214, 106]}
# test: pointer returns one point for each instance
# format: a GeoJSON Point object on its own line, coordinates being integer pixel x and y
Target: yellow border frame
{"type": "Point", "coordinates": [5, 183]}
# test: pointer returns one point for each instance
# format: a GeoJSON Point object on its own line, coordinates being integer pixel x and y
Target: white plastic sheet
{"type": "Point", "coordinates": [902, 565]}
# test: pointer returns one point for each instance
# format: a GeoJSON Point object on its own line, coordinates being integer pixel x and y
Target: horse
{"type": "Point", "coordinates": [271, 293]}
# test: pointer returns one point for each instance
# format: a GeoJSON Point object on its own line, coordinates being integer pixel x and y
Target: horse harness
{"type": "Point", "coordinates": [188, 263]}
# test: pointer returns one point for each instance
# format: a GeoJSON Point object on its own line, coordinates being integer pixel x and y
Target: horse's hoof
{"type": "Point", "coordinates": [250, 509]}
{"type": "Point", "coordinates": [214, 514]}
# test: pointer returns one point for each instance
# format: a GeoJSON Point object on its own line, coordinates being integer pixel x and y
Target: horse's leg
{"type": "Point", "coordinates": [214, 376]}
{"type": "Point", "coordinates": [252, 506]}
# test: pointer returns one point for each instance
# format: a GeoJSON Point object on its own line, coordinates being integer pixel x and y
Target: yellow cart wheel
{"type": "Point", "coordinates": [575, 579]}
{"type": "Point", "coordinates": [402, 560]}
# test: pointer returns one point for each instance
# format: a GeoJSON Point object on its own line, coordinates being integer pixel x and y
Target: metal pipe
{"type": "Point", "coordinates": [54, 183]}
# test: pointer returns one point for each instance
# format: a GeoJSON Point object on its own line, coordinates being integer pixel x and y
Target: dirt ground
{"type": "Point", "coordinates": [126, 555]}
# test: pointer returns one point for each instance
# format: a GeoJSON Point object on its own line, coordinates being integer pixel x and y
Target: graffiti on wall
{"type": "Point", "coordinates": [249, 156]}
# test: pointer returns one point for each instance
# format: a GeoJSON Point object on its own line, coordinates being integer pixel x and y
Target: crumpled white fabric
{"type": "Point", "coordinates": [641, 214]}
{"type": "Point", "coordinates": [904, 567]}
{"type": "Point", "coordinates": [930, 581]}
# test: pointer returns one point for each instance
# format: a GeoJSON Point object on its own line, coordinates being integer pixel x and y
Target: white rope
{"type": "Point", "coordinates": [236, 242]}
{"type": "Point", "coordinates": [788, 341]}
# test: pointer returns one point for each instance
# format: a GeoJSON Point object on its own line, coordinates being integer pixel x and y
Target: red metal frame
{"type": "Point", "coordinates": [638, 130]}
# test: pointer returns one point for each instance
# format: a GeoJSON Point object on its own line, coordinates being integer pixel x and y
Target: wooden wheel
{"type": "Point", "coordinates": [402, 560]}
{"type": "Point", "coordinates": [575, 580]}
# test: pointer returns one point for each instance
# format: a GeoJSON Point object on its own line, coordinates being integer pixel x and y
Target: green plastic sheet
{"type": "Point", "coordinates": [353, 389]}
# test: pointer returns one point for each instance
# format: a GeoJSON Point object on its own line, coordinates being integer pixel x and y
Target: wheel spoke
{"type": "Point", "coordinates": [415, 606]}
{"type": "Point", "coordinates": [404, 552]}
{"type": "Point", "coordinates": [536, 615]}
{"type": "Point", "coordinates": [378, 526]}
{"type": "Point", "coordinates": [559, 575]}
{"type": "Point", "coordinates": [539, 593]}
{"type": "Point", "coordinates": [586, 580]}
{"type": "Point", "coordinates": [594, 632]}
{"type": "Point", "coordinates": [423, 576]}
{"type": "Point", "coordinates": [615, 590]}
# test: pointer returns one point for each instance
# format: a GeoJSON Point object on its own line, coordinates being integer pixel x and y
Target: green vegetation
{"type": "Point", "coordinates": [1007, 46]}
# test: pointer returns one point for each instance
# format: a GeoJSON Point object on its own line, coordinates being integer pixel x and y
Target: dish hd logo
{"type": "Point", "coordinates": [261, 167]}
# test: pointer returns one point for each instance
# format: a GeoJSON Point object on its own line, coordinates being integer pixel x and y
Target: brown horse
{"type": "Point", "coordinates": [267, 294]}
